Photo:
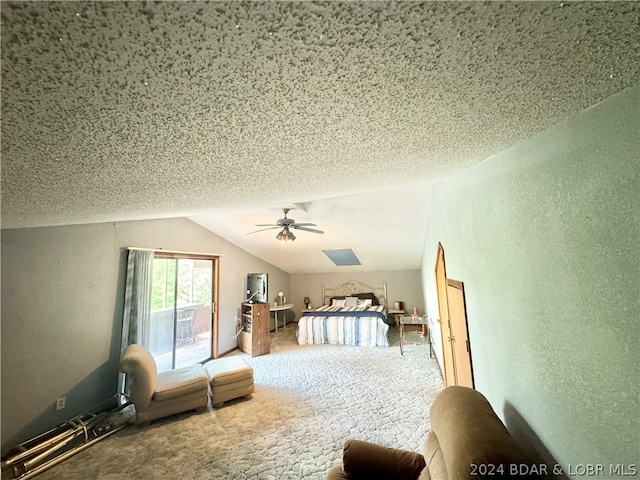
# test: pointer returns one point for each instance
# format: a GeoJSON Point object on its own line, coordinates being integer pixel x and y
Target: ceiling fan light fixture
{"type": "Point", "coordinates": [286, 225]}
{"type": "Point", "coordinates": [285, 234]}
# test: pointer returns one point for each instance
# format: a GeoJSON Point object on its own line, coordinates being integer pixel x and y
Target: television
{"type": "Point", "coordinates": [257, 288]}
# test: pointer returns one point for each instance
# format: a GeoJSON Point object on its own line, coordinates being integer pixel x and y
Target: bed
{"type": "Point", "coordinates": [353, 314]}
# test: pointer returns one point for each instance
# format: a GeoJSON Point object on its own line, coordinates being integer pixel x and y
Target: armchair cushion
{"type": "Point", "coordinates": [364, 460]}
{"type": "Point", "coordinates": [435, 461]}
{"type": "Point", "coordinates": [336, 473]}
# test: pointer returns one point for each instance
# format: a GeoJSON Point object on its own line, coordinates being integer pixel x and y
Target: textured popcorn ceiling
{"type": "Point", "coordinates": [227, 111]}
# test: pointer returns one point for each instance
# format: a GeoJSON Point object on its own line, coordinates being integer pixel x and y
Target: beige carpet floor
{"type": "Point", "coordinates": [308, 401]}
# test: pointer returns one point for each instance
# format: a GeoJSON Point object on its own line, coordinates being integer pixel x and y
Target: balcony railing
{"type": "Point", "coordinates": [189, 349]}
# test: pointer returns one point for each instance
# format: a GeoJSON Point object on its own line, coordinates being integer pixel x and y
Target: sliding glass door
{"type": "Point", "coordinates": [182, 310]}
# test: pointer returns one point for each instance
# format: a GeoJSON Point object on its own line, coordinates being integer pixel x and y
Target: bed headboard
{"type": "Point", "coordinates": [353, 287]}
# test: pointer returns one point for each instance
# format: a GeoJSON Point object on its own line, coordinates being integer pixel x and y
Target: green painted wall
{"type": "Point", "coordinates": [545, 237]}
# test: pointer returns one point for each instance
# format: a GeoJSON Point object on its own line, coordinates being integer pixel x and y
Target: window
{"type": "Point", "coordinates": [183, 322]}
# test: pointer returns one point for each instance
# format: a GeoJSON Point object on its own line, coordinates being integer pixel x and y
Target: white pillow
{"type": "Point", "coordinates": [337, 302]}
{"type": "Point", "coordinates": [365, 302]}
{"type": "Point", "coordinates": [351, 302]}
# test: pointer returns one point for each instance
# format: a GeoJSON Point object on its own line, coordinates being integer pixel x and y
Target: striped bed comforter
{"type": "Point", "coordinates": [363, 326]}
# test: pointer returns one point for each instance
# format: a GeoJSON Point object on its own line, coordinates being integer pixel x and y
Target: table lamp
{"type": "Point", "coordinates": [307, 302]}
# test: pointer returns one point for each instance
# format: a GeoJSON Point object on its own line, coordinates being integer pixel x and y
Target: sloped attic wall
{"type": "Point", "coordinates": [62, 302]}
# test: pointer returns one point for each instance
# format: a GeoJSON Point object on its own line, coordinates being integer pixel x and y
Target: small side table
{"type": "Point", "coordinates": [414, 320]}
{"type": "Point", "coordinates": [397, 314]}
{"type": "Point", "coordinates": [279, 308]}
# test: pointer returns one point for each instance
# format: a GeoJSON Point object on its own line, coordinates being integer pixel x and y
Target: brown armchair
{"type": "Point", "coordinates": [467, 441]}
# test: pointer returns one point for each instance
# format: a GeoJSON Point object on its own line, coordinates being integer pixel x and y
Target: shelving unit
{"type": "Point", "coordinates": [254, 337]}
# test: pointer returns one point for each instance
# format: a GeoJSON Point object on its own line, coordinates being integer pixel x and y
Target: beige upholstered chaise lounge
{"type": "Point", "coordinates": [158, 395]}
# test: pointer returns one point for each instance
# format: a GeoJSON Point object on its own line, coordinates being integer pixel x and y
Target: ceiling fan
{"type": "Point", "coordinates": [286, 224]}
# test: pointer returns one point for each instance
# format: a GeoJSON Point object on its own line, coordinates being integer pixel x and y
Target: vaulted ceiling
{"type": "Point", "coordinates": [226, 112]}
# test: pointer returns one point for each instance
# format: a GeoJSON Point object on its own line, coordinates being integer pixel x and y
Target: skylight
{"type": "Point", "coordinates": [342, 256]}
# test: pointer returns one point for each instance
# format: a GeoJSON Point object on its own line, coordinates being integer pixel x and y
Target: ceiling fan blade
{"type": "Point", "coordinates": [305, 224]}
{"type": "Point", "coordinates": [266, 225]}
{"type": "Point", "coordinates": [263, 229]}
{"type": "Point", "coordinates": [313, 230]}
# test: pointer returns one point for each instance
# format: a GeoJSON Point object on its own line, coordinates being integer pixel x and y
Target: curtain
{"type": "Point", "coordinates": [137, 299]}
{"type": "Point", "coordinates": [137, 303]}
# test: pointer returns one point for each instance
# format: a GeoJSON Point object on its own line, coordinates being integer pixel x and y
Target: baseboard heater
{"type": "Point", "coordinates": [50, 448]}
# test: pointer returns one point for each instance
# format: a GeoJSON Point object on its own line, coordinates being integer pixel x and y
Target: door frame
{"type": "Point", "coordinates": [215, 259]}
{"type": "Point", "coordinates": [448, 370]}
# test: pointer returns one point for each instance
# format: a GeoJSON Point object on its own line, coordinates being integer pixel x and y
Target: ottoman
{"type": "Point", "coordinates": [229, 377]}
